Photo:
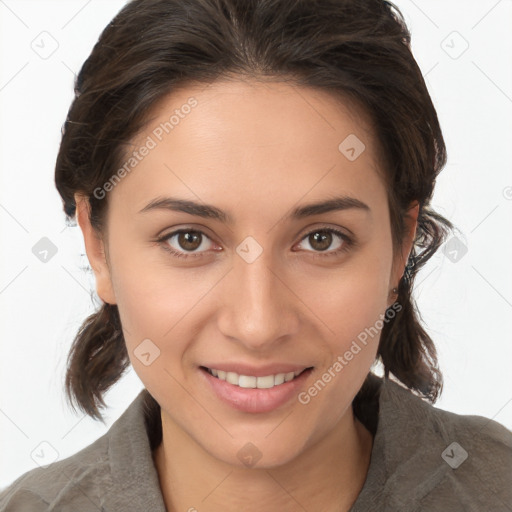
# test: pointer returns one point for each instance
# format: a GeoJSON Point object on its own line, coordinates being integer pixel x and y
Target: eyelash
{"type": "Point", "coordinates": [348, 243]}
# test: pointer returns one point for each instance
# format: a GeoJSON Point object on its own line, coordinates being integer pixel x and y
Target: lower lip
{"type": "Point", "coordinates": [256, 400]}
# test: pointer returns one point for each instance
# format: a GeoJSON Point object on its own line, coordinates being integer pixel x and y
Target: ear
{"type": "Point", "coordinates": [400, 261]}
{"type": "Point", "coordinates": [95, 249]}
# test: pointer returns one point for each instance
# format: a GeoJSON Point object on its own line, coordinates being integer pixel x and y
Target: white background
{"type": "Point", "coordinates": [466, 305]}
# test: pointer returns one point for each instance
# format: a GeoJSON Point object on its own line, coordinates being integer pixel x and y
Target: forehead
{"type": "Point", "coordinates": [256, 112]}
{"type": "Point", "coordinates": [235, 137]}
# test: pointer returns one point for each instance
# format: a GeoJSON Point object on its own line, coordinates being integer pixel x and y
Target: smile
{"type": "Point", "coordinates": [251, 381]}
{"type": "Point", "coordinates": [256, 393]}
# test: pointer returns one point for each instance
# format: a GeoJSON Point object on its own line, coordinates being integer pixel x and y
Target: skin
{"type": "Point", "coordinates": [255, 150]}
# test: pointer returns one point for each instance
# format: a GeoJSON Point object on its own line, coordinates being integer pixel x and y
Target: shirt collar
{"type": "Point", "coordinates": [135, 484]}
{"type": "Point", "coordinates": [401, 471]}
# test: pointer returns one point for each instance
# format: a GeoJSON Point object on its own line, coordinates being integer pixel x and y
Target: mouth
{"type": "Point", "coordinates": [252, 381]}
{"type": "Point", "coordinates": [255, 393]}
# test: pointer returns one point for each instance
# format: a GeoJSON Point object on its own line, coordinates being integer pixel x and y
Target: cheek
{"type": "Point", "coordinates": [154, 300]}
{"type": "Point", "coordinates": [158, 307]}
{"type": "Point", "coordinates": [352, 305]}
{"type": "Point", "coordinates": [353, 296]}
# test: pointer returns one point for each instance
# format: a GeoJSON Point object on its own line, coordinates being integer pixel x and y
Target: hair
{"type": "Point", "coordinates": [355, 49]}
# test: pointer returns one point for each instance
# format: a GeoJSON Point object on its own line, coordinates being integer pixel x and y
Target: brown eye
{"type": "Point", "coordinates": [186, 242]}
{"type": "Point", "coordinates": [189, 240]}
{"type": "Point", "coordinates": [320, 240]}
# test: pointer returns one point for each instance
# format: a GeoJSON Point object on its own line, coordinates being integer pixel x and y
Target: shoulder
{"type": "Point", "coordinates": [436, 457]}
{"type": "Point", "coordinates": [115, 472]}
{"type": "Point", "coordinates": [73, 481]}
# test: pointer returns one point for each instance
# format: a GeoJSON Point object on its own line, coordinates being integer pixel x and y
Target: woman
{"type": "Point", "coordinates": [253, 182]}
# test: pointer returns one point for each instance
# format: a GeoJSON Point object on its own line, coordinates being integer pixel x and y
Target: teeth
{"type": "Point", "coordinates": [232, 378]}
{"type": "Point", "coordinates": [278, 379]}
{"type": "Point", "coordinates": [245, 381]}
{"type": "Point", "coordinates": [265, 382]}
{"type": "Point", "coordinates": [249, 381]}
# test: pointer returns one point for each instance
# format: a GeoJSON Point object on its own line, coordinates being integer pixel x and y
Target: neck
{"type": "Point", "coordinates": [327, 476]}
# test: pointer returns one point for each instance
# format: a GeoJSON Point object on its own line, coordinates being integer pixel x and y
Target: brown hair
{"type": "Point", "coordinates": [356, 49]}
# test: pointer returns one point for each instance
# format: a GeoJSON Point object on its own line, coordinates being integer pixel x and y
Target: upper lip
{"type": "Point", "coordinates": [257, 371]}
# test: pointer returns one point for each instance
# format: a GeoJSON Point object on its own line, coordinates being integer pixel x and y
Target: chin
{"type": "Point", "coordinates": [257, 454]}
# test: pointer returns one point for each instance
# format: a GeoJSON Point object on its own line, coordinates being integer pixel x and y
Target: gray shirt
{"type": "Point", "coordinates": [423, 459]}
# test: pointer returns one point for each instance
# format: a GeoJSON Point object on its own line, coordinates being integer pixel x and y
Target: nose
{"type": "Point", "coordinates": [258, 307]}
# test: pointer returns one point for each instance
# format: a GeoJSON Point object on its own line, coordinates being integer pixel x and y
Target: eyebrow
{"type": "Point", "coordinates": [212, 212]}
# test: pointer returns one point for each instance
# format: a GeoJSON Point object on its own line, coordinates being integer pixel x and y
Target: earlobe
{"type": "Point", "coordinates": [95, 250]}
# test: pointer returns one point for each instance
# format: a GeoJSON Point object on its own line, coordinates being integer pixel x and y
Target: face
{"type": "Point", "coordinates": [250, 283]}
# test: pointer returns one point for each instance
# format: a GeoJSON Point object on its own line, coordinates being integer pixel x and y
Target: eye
{"type": "Point", "coordinates": [185, 242]}
{"type": "Point", "coordinates": [321, 239]}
